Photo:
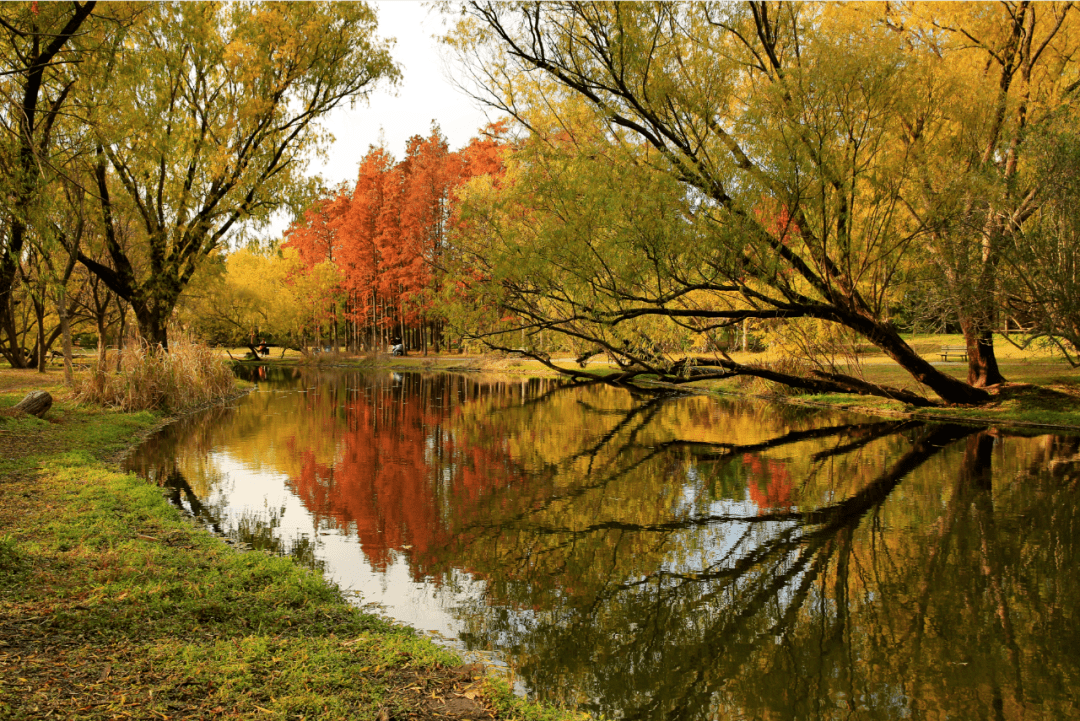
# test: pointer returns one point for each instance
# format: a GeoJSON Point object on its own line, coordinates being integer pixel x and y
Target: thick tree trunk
{"type": "Point", "coordinates": [949, 389]}
{"type": "Point", "coordinates": [153, 325]}
{"type": "Point", "coordinates": [978, 316]}
{"type": "Point", "coordinates": [982, 362]}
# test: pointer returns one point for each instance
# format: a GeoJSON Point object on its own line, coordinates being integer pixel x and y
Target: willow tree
{"type": "Point", "coordinates": [1042, 282]}
{"type": "Point", "coordinates": [780, 124]}
{"type": "Point", "coordinates": [40, 46]}
{"type": "Point", "coordinates": [1004, 75]}
{"type": "Point", "coordinates": [213, 110]}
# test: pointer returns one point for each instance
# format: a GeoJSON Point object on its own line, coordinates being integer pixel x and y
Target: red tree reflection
{"type": "Point", "coordinates": [401, 478]}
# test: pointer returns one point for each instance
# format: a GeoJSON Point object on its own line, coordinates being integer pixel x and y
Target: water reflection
{"type": "Point", "coordinates": [651, 557]}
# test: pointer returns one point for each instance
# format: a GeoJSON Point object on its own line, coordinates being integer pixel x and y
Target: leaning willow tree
{"type": "Point", "coordinates": [705, 164]}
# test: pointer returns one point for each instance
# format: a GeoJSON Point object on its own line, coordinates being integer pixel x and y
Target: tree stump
{"type": "Point", "coordinates": [36, 403]}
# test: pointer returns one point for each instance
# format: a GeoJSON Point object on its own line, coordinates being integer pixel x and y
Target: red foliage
{"type": "Point", "coordinates": [390, 235]}
{"type": "Point", "coordinates": [776, 219]}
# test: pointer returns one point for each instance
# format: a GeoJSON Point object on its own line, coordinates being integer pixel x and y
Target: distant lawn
{"type": "Point", "coordinates": [1041, 366]}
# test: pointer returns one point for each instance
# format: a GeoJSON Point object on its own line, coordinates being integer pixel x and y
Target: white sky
{"type": "Point", "coordinates": [392, 115]}
{"type": "Point", "coordinates": [425, 93]}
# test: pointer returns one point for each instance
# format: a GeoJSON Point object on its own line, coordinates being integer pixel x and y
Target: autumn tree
{"type": "Point", "coordinates": [1001, 75]}
{"type": "Point", "coordinates": [260, 294]}
{"type": "Point", "coordinates": [391, 235]}
{"type": "Point", "coordinates": [319, 238]}
{"type": "Point", "coordinates": [1042, 274]}
{"type": "Point", "coordinates": [352, 231]}
{"type": "Point", "coordinates": [430, 173]}
{"type": "Point", "coordinates": [41, 50]}
{"type": "Point", "coordinates": [213, 108]}
{"type": "Point", "coordinates": [791, 104]}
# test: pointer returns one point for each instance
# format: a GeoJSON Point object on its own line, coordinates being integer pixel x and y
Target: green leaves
{"type": "Point", "coordinates": [213, 110]}
{"type": "Point", "coordinates": [759, 156]}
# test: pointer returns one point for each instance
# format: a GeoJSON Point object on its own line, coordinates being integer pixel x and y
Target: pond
{"type": "Point", "coordinates": [665, 557]}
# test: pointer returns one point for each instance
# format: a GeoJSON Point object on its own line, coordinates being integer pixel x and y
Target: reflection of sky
{"type": "Point", "coordinates": [240, 490]}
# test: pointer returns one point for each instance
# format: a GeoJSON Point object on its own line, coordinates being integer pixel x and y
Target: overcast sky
{"type": "Point", "coordinates": [426, 93]}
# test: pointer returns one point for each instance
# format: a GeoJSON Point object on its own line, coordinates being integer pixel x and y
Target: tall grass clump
{"type": "Point", "coordinates": [188, 376]}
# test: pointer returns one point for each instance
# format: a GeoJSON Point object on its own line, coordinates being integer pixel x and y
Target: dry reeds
{"type": "Point", "coordinates": [188, 376]}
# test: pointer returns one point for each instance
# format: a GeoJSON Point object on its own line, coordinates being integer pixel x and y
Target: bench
{"type": "Point", "coordinates": [956, 350]}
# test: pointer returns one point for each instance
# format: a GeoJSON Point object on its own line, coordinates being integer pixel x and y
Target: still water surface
{"type": "Point", "coordinates": [666, 557]}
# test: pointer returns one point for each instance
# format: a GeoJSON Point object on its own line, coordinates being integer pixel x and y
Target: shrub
{"type": "Point", "coordinates": [188, 376]}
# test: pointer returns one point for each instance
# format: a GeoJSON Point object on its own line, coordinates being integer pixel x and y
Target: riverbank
{"type": "Point", "coordinates": [1043, 392]}
{"type": "Point", "coordinates": [113, 605]}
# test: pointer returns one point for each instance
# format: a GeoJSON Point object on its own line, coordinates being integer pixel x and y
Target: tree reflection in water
{"type": "Point", "coordinates": [681, 557]}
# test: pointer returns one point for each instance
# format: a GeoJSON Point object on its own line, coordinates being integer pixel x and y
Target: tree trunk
{"type": "Point", "coordinates": [153, 325]}
{"type": "Point", "coordinates": [982, 362]}
{"type": "Point", "coordinates": [13, 350]}
{"type": "Point", "coordinates": [337, 342]}
{"type": "Point", "coordinates": [885, 337]}
{"type": "Point", "coordinates": [39, 314]}
{"type": "Point", "coordinates": [65, 334]}
{"type": "Point", "coordinates": [404, 346]}
{"type": "Point", "coordinates": [36, 403]}
{"type": "Point", "coordinates": [102, 341]}
{"type": "Point", "coordinates": [120, 336]}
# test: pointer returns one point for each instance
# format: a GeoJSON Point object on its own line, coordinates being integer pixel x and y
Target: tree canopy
{"type": "Point", "coordinates": [216, 107]}
{"type": "Point", "coordinates": [799, 138]}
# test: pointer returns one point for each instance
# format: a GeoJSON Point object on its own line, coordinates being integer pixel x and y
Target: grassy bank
{"type": "Point", "coordinates": [112, 605]}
